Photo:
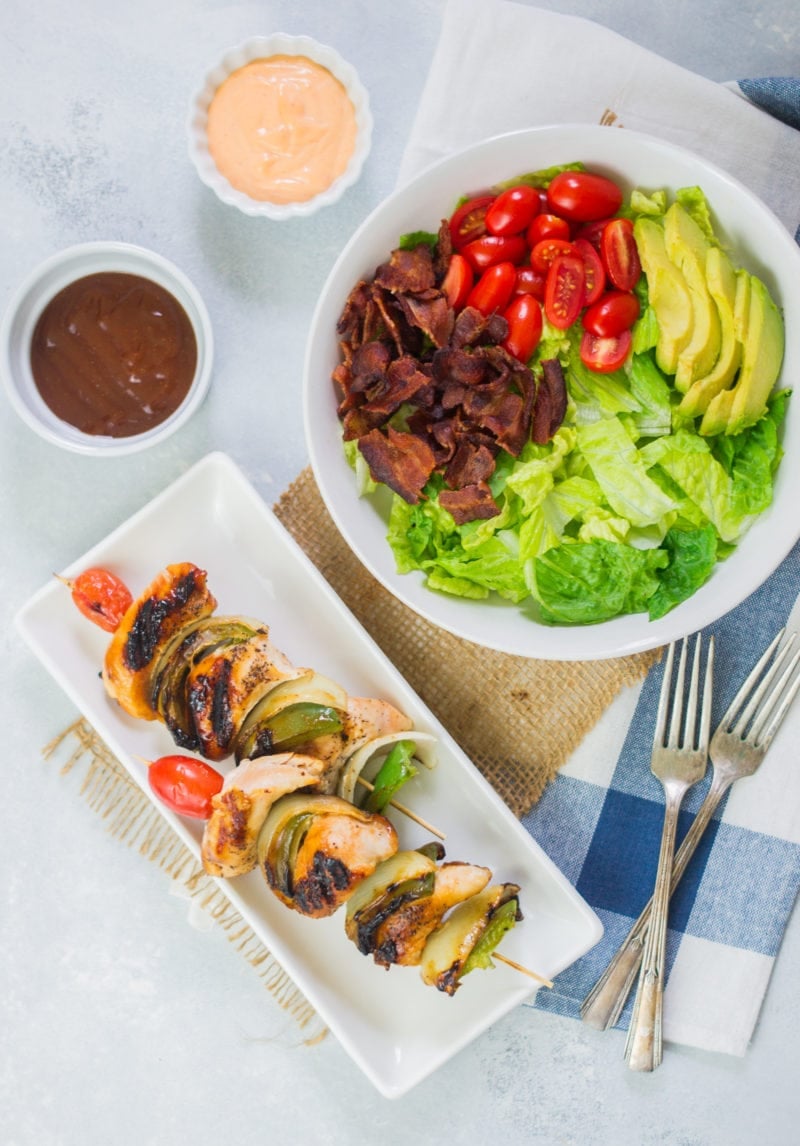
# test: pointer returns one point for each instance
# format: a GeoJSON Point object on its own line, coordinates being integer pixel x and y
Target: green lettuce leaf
{"type": "Point", "coordinates": [581, 584]}
{"type": "Point", "coordinates": [622, 475]}
{"type": "Point", "coordinates": [689, 462]}
{"type": "Point", "coordinates": [692, 556]}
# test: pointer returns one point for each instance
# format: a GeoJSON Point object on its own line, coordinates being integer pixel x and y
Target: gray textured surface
{"type": "Point", "coordinates": [118, 1022]}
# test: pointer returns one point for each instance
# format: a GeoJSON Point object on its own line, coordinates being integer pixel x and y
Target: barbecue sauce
{"type": "Point", "coordinates": [113, 354]}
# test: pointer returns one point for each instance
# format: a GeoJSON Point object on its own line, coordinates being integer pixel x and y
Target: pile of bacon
{"type": "Point", "coordinates": [402, 344]}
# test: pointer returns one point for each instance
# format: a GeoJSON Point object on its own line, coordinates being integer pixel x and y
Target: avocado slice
{"type": "Point", "coordinates": [668, 293]}
{"type": "Point", "coordinates": [741, 306]}
{"type": "Point", "coordinates": [762, 354]}
{"type": "Point", "coordinates": [722, 286]}
{"type": "Point", "coordinates": [688, 249]}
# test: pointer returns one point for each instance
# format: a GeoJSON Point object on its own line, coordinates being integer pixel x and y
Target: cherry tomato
{"type": "Point", "coordinates": [524, 318]}
{"type": "Point", "coordinates": [592, 232]}
{"type": "Point", "coordinates": [563, 294]}
{"type": "Point", "coordinates": [620, 254]}
{"type": "Point", "coordinates": [594, 271]}
{"type": "Point", "coordinates": [605, 354]}
{"type": "Point", "coordinates": [616, 311]}
{"type": "Point", "coordinates": [582, 197]}
{"type": "Point", "coordinates": [468, 221]}
{"type": "Point", "coordinates": [530, 281]}
{"type": "Point", "coordinates": [458, 281]}
{"type": "Point", "coordinates": [185, 785]}
{"type": "Point", "coordinates": [547, 227]}
{"type": "Point", "coordinates": [100, 596]}
{"type": "Point", "coordinates": [512, 211]}
{"type": "Point", "coordinates": [546, 250]}
{"type": "Point", "coordinates": [490, 249]}
{"type": "Point", "coordinates": [494, 288]}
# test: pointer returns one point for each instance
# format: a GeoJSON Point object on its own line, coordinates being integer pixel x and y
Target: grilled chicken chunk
{"type": "Point", "coordinates": [241, 807]}
{"type": "Point", "coordinates": [153, 626]}
{"type": "Point", "coordinates": [315, 850]}
{"type": "Point", "coordinates": [393, 912]}
{"type": "Point", "coordinates": [365, 718]}
{"type": "Point", "coordinates": [223, 686]}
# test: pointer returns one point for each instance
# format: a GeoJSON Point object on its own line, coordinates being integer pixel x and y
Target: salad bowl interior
{"type": "Point", "coordinates": [745, 227]}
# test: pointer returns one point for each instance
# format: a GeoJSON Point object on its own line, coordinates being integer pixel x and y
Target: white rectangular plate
{"type": "Point", "coordinates": [395, 1028]}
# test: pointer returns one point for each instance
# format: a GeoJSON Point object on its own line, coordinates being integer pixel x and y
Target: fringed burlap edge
{"type": "Point", "coordinates": [130, 818]}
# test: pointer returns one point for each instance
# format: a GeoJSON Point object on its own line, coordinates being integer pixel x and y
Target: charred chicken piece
{"type": "Point", "coordinates": [392, 913]}
{"type": "Point", "coordinates": [170, 695]}
{"type": "Point", "coordinates": [239, 810]}
{"type": "Point", "coordinates": [469, 935]}
{"type": "Point", "coordinates": [155, 624]}
{"type": "Point", "coordinates": [314, 851]}
{"type": "Point", "coordinates": [223, 686]}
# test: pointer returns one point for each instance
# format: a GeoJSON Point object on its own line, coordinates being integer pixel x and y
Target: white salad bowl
{"type": "Point", "coordinates": [743, 224]}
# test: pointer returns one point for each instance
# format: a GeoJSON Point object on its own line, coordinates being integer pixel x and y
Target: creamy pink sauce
{"type": "Point", "coordinates": [281, 129]}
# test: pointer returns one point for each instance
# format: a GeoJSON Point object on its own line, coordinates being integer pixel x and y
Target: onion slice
{"type": "Point", "coordinates": [372, 753]}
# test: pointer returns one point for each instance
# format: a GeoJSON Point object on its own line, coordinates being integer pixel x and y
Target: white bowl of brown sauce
{"type": "Point", "coordinates": [106, 348]}
{"type": "Point", "coordinates": [280, 126]}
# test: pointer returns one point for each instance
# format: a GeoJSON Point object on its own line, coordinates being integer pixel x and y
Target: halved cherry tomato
{"type": "Point", "coordinates": [530, 281]}
{"type": "Point", "coordinates": [512, 211]}
{"type": "Point", "coordinates": [524, 318]}
{"type": "Point", "coordinates": [547, 227]}
{"type": "Point", "coordinates": [620, 254]}
{"type": "Point", "coordinates": [458, 281]}
{"type": "Point", "coordinates": [616, 311]}
{"type": "Point", "coordinates": [605, 354]}
{"type": "Point", "coordinates": [490, 249]}
{"type": "Point", "coordinates": [582, 196]}
{"type": "Point", "coordinates": [468, 221]}
{"type": "Point", "coordinates": [595, 274]}
{"type": "Point", "coordinates": [546, 250]}
{"type": "Point", "coordinates": [493, 289]}
{"type": "Point", "coordinates": [185, 785]}
{"type": "Point", "coordinates": [563, 294]}
{"type": "Point", "coordinates": [101, 596]}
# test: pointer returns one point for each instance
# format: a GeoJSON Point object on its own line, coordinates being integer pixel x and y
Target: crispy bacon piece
{"type": "Point", "coordinates": [400, 460]}
{"type": "Point", "coordinates": [370, 362]}
{"type": "Point", "coordinates": [550, 406]}
{"type": "Point", "coordinates": [459, 366]}
{"type": "Point", "coordinates": [433, 316]}
{"type": "Point", "coordinates": [470, 503]}
{"type": "Point", "coordinates": [443, 251]}
{"type": "Point", "coordinates": [407, 271]}
{"type": "Point", "coordinates": [469, 465]}
{"type": "Point", "coordinates": [401, 383]}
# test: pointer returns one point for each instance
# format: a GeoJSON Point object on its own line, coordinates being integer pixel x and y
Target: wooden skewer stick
{"type": "Point", "coordinates": [524, 970]}
{"type": "Point", "coordinates": [407, 812]}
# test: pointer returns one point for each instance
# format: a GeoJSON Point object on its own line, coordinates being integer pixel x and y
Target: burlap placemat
{"type": "Point", "coordinates": [517, 719]}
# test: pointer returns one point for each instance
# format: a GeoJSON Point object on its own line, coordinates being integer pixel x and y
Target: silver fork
{"type": "Point", "coordinates": [736, 751]}
{"type": "Point", "coordinates": [679, 760]}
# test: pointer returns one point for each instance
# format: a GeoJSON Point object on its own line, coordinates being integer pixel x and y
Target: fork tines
{"type": "Point", "coordinates": [770, 700]}
{"type": "Point", "coordinates": [673, 739]}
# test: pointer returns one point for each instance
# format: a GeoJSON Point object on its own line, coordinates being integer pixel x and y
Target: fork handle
{"type": "Point", "coordinates": [603, 1005]}
{"type": "Point", "coordinates": [643, 1046]}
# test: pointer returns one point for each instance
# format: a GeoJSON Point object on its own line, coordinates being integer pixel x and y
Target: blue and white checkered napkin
{"type": "Point", "coordinates": [601, 821]}
{"type": "Point", "coordinates": [601, 818]}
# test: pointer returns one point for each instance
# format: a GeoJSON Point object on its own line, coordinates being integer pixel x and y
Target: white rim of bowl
{"type": "Point", "coordinates": [151, 265]}
{"type": "Point", "coordinates": [258, 47]}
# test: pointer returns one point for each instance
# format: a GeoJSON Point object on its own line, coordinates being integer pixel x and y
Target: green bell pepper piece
{"type": "Point", "coordinates": [395, 771]}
